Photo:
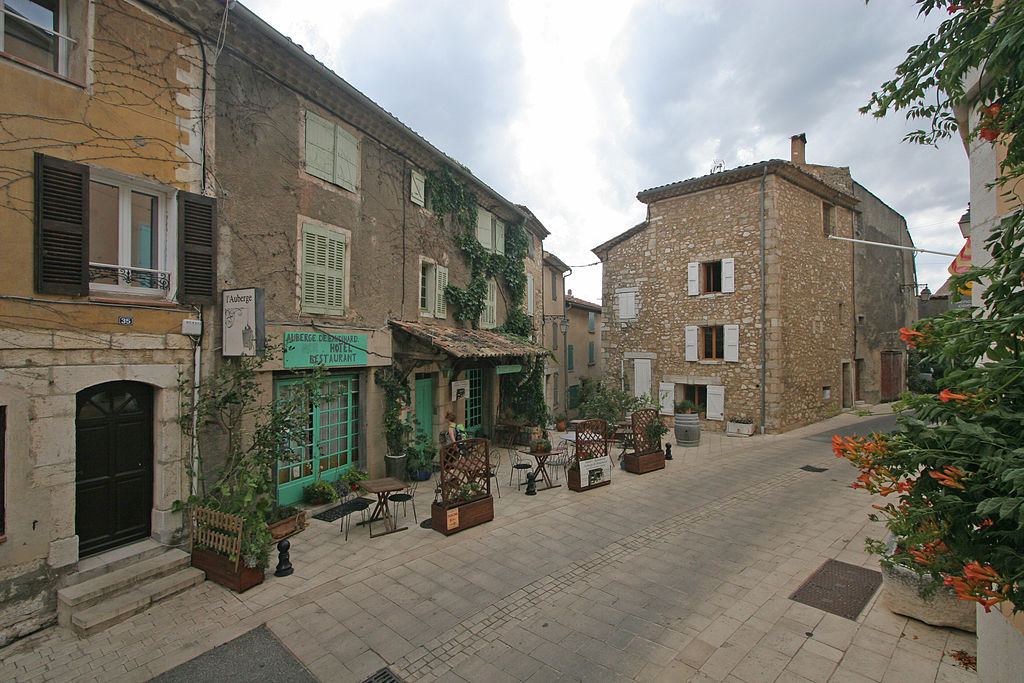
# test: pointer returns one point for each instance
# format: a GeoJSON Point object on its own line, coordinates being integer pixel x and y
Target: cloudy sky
{"type": "Point", "coordinates": [572, 107]}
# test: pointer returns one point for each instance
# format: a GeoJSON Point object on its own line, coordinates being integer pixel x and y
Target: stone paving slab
{"type": "Point", "coordinates": [680, 574]}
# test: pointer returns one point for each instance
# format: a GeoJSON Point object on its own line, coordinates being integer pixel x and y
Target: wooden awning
{"type": "Point", "coordinates": [466, 344]}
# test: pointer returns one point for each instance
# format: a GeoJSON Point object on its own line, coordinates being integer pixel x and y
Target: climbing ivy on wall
{"type": "Point", "coordinates": [523, 392]}
{"type": "Point", "coordinates": [396, 398]}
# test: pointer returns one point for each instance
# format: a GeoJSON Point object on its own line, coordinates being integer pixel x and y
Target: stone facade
{"type": "Point", "coordinates": [584, 339]}
{"type": "Point", "coordinates": [782, 281]}
{"type": "Point", "coordinates": [552, 337]}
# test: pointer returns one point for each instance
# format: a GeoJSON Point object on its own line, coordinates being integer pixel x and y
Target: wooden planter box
{"type": "Point", "coordinates": [221, 569]}
{"type": "Point", "coordinates": [458, 517]}
{"type": "Point", "coordinates": [289, 526]}
{"type": "Point", "coordinates": [739, 428]}
{"type": "Point", "coordinates": [573, 476]}
{"type": "Point", "coordinates": [648, 462]}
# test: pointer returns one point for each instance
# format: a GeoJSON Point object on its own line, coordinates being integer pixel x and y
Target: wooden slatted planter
{"type": "Point", "coordinates": [216, 549]}
{"type": "Point", "coordinates": [450, 520]}
{"type": "Point", "coordinates": [646, 456]}
{"type": "Point", "coordinates": [591, 447]}
{"type": "Point", "coordinates": [465, 473]}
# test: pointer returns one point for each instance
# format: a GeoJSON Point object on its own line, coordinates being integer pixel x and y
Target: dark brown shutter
{"type": "Point", "coordinates": [62, 226]}
{"type": "Point", "coordinates": [197, 248]}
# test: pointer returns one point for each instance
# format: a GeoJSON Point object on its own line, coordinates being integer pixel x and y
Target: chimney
{"type": "Point", "coordinates": [798, 144]}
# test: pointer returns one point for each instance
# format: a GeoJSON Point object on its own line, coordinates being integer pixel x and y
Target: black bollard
{"type": "Point", "coordinates": [668, 451]}
{"type": "Point", "coordinates": [531, 484]}
{"type": "Point", "coordinates": [284, 562]}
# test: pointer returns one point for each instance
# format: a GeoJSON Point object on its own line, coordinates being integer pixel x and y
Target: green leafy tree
{"type": "Point", "coordinates": [957, 468]}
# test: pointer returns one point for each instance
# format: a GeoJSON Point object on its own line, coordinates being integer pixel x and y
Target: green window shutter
{"type": "Point", "coordinates": [569, 354]}
{"type": "Point", "coordinates": [590, 321]}
{"type": "Point", "coordinates": [346, 159]}
{"type": "Point", "coordinates": [197, 248]}
{"type": "Point", "coordinates": [417, 188]}
{"type": "Point", "coordinates": [590, 354]}
{"type": "Point", "coordinates": [319, 147]}
{"type": "Point", "coordinates": [499, 236]}
{"type": "Point", "coordinates": [62, 226]}
{"type": "Point", "coordinates": [483, 228]}
{"type": "Point", "coordinates": [440, 305]}
{"type": "Point", "coordinates": [323, 270]}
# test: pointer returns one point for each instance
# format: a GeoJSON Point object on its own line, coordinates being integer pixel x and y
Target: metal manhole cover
{"type": "Point", "coordinates": [812, 468]}
{"type": "Point", "coordinates": [840, 588]}
{"type": "Point", "coordinates": [383, 676]}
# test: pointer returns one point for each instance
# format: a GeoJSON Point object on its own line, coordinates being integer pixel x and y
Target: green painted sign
{"type": "Point", "coordinates": [509, 369]}
{"type": "Point", "coordinates": [310, 349]}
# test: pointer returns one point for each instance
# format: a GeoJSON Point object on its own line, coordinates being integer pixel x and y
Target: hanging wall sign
{"type": "Point", "coordinates": [310, 349]}
{"type": "Point", "coordinates": [242, 321]}
{"type": "Point", "coordinates": [460, 389]}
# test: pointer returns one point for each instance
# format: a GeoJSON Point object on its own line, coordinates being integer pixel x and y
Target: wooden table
{"type": "Point", "coordinates": [383, 487]}
{"type": "Point", "coordinates": [541, 469]}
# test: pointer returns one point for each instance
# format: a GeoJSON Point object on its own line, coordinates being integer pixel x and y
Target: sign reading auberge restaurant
{"type": "Point", "coordinates": [310, 349]}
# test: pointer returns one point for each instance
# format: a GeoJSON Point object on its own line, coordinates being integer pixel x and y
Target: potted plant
{"type": "Point", "coordinates": [739, 426]}
{"type": "Point", "coordinates": [251, 435]}
{"type": "Point", "coordinates": [647, 454]}
{"type": "Point", "coordinates": [420, 458]}
{"type": "Point", "coordinates": [319, 492]}
{"type": "Point", "coordinates": [284, 521]}
{"type": "Point", "coordinates": [464, 493]}
{"type": "Point", "coordinates": [687, 423]}
{"type": "Point", "coordinates": [541, 445]}
{"type": "Point", "coordinates": [351, 478]}
{"type": "Point", "coordinates": [561, 421]}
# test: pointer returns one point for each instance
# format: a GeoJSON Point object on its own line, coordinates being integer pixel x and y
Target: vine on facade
{"type": "Point", "coordinates": [396, 399]}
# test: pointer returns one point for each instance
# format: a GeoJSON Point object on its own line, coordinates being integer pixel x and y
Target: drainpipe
{"type": "Point", "coordinates": [764, 335]}
{"type": "Point", "coordinates": [196, 365]}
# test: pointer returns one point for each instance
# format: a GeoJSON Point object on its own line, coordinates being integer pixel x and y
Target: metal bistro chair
{"type": "Point", "coordinates": [406, 497]}
{"type": "Point", "coordinates": [360, 505]}
{"type": "Point", "coordinates": [517, 465]}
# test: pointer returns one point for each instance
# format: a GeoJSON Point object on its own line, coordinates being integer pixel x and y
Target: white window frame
{"type": "Point", "coordinates": [166, 232]}
{"type": "Point", "coordinates": [61, 33]}
{"type": "Point", "coordinates": [334, 232]}
{"type": "Point", "coordinates": [343, 153]}
{"type": "Point", "coordinates": [437, 280]}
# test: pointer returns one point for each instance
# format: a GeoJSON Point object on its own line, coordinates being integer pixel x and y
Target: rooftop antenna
{"type": "Point", "coordinates": [717, 166]}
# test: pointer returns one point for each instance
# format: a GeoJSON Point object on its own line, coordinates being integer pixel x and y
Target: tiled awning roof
{"type": "Point", "coordinates": [461, 343]}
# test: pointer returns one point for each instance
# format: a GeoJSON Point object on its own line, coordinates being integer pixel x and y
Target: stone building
{"type": "Point", "coordinates": [554, 334]}
{"type": "Point", "coordinates": [583, 348]}
{"type": "Point", "coordinates": [107, 224]}
{"type": "Point", "coordinates": [142, 188]}
{"type": "Point", "coordinates": [732, 294]}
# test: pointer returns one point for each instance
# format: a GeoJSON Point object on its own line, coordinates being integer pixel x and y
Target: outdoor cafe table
{"type": "Point", "coordinates": [541, 468]}
{"type": "Point", "coordinates": [383, 487]}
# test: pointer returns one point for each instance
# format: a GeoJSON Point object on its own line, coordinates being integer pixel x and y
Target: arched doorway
{"type": "Point", "coordinates": [114, 456]}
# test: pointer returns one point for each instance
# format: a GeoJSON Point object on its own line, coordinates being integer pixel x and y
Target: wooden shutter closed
{"type": "Point", "coordinates": [499, 236]}
{"type": "Point", "coordinates": [489, 317]}
{"type": "Point", "coordinates": [666, 396]}
{"type": "Point", "coordinates": [197, 248]}
{"type": "Point", "coordinates": [529, 293]}
{"type": "Point", "coordinates": [716, 403]}
{"type": "Point", "coordinates": [323, 270]}
{"type": "Point", "coordinates": [732, 343]}
{"type": "Point", "coordinates": [61, 226]}
{"type": "Point", "coordinates": [728, 275]}
{"type": "Point", "coordinates": [319, 147]}
{"type": "Point", "coordinates": [483, 228]}
{"type": "Point", "coordinates": [627, 305]}
{"type": "Point", "coordinates": [417, 189]}
{"type": "Point", "coordinates": [690, 338]}
{"type": "Point", "coordinates": [441, 281]}
{"type": "Point", "coordinates": [693, 278]}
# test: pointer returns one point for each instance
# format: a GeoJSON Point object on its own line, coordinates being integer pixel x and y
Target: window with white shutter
{"type": "Point", "coordinates": [417, 188]}
{"type": "Point", "coordinates": [484, 228]}
{"type": "Point", "coordinates": [728, 275]}
{"type": "Point", "coordinates": [488, 319]}
{"type": "Point", "coordinates": [332, 153]}
{"type": "Point", "coordinates": [323, 270]}
{"type": "Point", "coordinates": [690, 337]}
{"type": "Point", "coordinates": [666, 397]}
{"type": "Point", "coordinates": [732, 343]}
{"type": "Point", "coordinates": [716, 403]}
{"type": "Point", "coordinates": [440, 304]}
{"type": "Point", "coordinates": [499, 236]}
{"type": "Point", "coordinates": [693, 278]}
{"type": "Point", "coordinates": [627, 305]}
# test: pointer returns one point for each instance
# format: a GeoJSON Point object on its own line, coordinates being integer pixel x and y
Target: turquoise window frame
{"type": "Point", "coordinates": [475, 400]}
{"type": "Point", "coordinates": [569, 357]}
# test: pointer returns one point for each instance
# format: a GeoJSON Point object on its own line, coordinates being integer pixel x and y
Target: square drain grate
{"type": "Point", "coordinates": [840, 588]}
{"type": "Point", "coordinates": [383, 676]}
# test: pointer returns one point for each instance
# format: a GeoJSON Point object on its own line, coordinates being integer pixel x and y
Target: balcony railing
{"type": "Point", "coordinates": [124, 276]}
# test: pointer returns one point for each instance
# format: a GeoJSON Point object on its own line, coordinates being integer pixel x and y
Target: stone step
{"type": "Point", "coordinates": [88, 593]}
{"type": "Point", "coordinates": [87, 621]}
{"type": "Point", "coordinates": [104, 563]}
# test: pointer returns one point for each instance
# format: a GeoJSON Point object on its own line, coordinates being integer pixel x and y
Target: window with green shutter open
{"type": "Point", "coordinates": [323, 270]}
{"type": "Point", "coordinates": [332, 153]}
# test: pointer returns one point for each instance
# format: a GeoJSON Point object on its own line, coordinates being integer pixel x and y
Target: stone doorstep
{"type": "Point", "coordinates": [105, 614]}
{"type": "Point", "coordinates": [88, 593]}
{"type": "Point", "coordinates": [104, 563]}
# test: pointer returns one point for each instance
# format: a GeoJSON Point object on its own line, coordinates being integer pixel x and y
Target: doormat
{"type": "Point", "coordinates": [339, 511]}
{"type": "Point", "coordinates": [253, 656]}
{"type": "Point", "coordinates": [812, 468]}
{"type": "Point", "coordinates": [840, 588]}
{"type": "Point", "coordinates": [383, 676]}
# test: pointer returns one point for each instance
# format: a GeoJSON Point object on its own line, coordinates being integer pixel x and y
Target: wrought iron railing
{"type": "Point", "coordinates": [124, 276]}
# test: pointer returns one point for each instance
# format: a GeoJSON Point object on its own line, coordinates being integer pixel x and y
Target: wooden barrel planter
{"type": "Point", "coordinates": [456, 518]}
{"type": "Point", "coordinates": [687, 429]}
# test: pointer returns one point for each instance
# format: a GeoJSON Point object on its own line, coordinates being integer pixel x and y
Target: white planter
{"type": "Point", "coordinates": [739, 428]}
{"type": "Point", "coordinates": [901, 593]}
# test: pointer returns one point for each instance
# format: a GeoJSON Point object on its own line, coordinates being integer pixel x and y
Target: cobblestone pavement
{"type": "Point", "coordinates": [681, 574]}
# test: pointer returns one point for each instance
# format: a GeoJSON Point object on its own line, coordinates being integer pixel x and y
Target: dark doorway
{"type": "Point", "coordinates": [892, 374]}
{"type": "Point", "coordinates": [114, 456]}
